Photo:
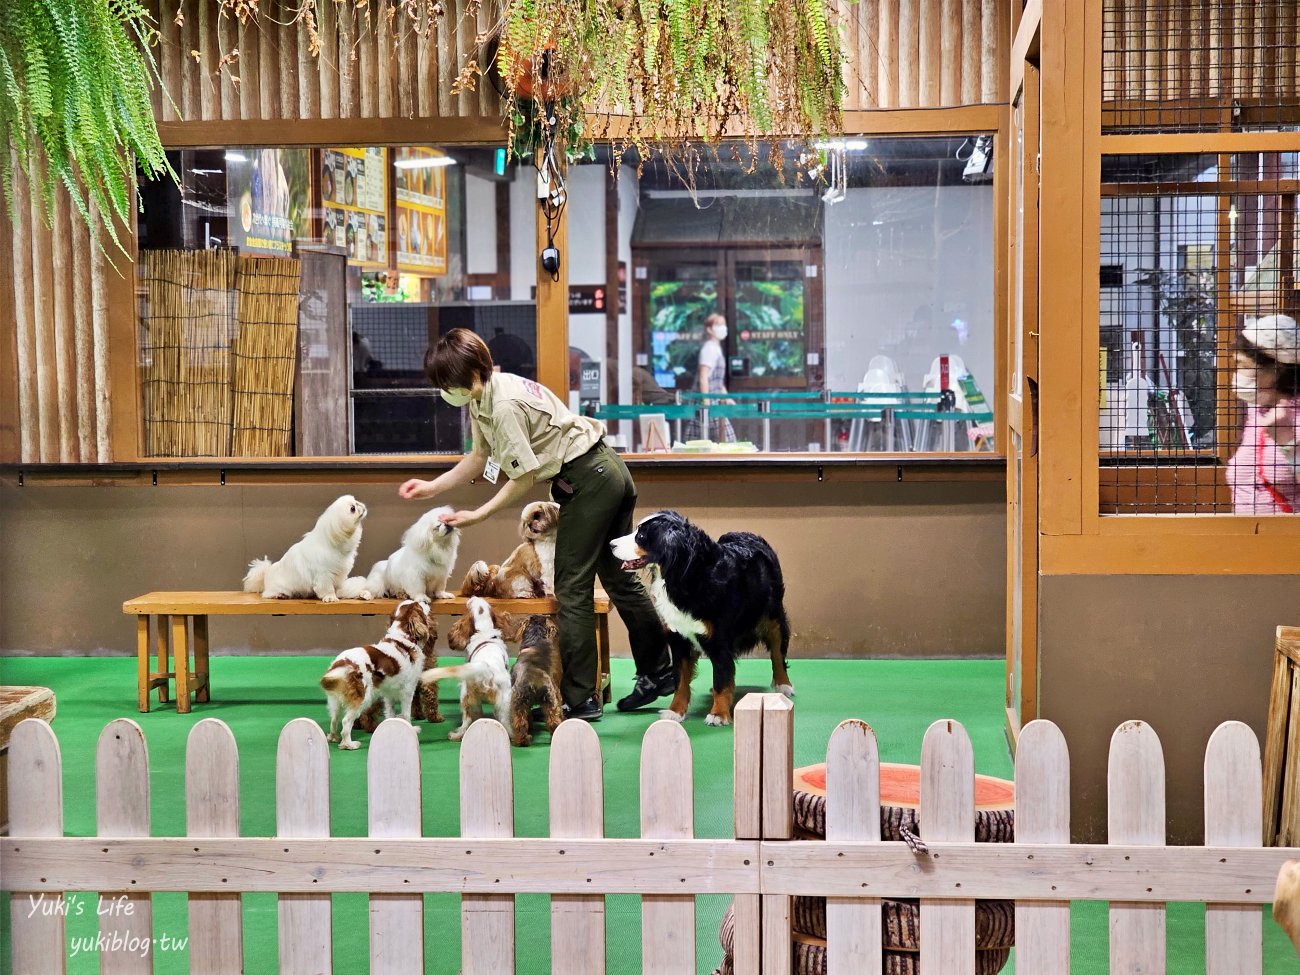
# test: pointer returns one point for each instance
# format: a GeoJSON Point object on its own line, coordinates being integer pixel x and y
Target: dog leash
{"type": "Point", "coordinates": [479, 640]}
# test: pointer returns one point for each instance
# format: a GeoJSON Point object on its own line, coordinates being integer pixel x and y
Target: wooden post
{"type": "Point", "coordinates": [393, 789]}
{"type": "Point", "coordinates": [853, 933]}
{"type": "Point", "coordinates": [201, 667]}
{"type": "Point", "coordinates": [747, 808]}
{"type": "Point", "coordinates": [216, 930]}
{"type": "Point", "coordinates": [553, 308]}
{"type": "Point", "coordinates": [1135, 782]}
{"type": "Point", "coordinates": [36, 810]}
{"type": "Point", "coordinates": [948, 813]}
{"type": "Point", "coordinates": [1233, 809]}
{"type": "Point", "coordinates": [1042, 816]}
{"type": "Point", "coordinates": [302, 809]}
{"type": "Point", "coordinates": [778, 824]}
{"type": "Point", "coordinates": [142, 661]}
{"type": "Point", "coordinates": [667, 813]}
{"type": "Point", "coordinates": [577, 811]}
{"type": "Point", "coordinates": [487, 809]}
{"type": "Point", "coordinates": [122, 810]}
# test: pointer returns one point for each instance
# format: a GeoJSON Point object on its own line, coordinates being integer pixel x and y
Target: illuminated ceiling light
{"type": "Point", "coordinates": [236, 157]}
{"type": "Point", "coordinates": [430, 162]}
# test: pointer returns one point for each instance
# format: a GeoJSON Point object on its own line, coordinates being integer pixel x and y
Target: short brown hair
{"type": "Point", "coordinates": [457, 360]}
{"type": "Point", "coordinates": [715, 319]}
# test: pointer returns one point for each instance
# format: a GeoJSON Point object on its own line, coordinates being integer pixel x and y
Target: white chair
{"type": "Point", "coordinates": [933, 383]}
{"type": "Point", "coordinates": [882, 376]}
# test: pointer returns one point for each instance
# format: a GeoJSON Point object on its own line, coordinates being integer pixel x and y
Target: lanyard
{"type": "Point", "coordinates": [1278, 499]}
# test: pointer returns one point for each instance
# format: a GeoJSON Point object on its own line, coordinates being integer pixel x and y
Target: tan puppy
{"type": "Point", "coordinates": [1286, 901]}
{"type": "Point", "coordinates": [530, 569]}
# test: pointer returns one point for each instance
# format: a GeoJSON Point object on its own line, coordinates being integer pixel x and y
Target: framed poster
{"type": "Point", "coordinates": [421, 181]}
{"type": "Point", "coordinates": [354, 196]}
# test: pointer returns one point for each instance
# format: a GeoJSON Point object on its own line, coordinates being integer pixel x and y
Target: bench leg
{"type": "Point", "coordinates": [164, 656]}
{"type": "Point", "coordinates": [181, 660]}
{"type": "Point", "coordinates": [603, 686]}
{"type": "Point", "coordinates": [201, 659]}
{"type": "Point", "coordinates": [142, 661]}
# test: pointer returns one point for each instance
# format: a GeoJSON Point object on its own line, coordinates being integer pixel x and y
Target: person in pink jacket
{"type": "Point", "coordinates": [1265, 471]}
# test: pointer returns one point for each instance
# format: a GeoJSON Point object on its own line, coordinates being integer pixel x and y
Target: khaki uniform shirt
{"type": "Point", "coordinates": [525, 427]}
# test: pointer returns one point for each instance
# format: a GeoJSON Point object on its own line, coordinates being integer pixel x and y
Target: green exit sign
{"type": "Point", "coordinates": [501, 162]}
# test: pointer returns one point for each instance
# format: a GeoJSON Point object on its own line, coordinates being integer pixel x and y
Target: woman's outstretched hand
{"type": "Point", "coordinates": [461, 519]}
{"type": "Point", "coordinates": [416, 488]}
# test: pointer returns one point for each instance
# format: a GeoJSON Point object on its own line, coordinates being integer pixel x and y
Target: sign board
{"type": "Point", "coordinates": [590, 385]}
{"type": "Point", "coordinates": [591, 299]}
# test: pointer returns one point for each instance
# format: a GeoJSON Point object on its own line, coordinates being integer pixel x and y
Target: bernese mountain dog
{"type": "Point", "coordinates": [718, 598]}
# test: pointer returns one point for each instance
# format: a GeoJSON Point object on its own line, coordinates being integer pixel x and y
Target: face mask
{"type": "Point", "coordinates": [1244, 387]}
{"type": "Point", "coordinates": [455, 397]}
{"type": "Point", "coordinates": [719, 332]}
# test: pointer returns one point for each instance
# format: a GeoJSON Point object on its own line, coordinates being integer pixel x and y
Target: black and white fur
{"type": "Point", "coordinates": [719, 598]}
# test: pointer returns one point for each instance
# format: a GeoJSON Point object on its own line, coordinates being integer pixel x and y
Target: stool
{"type": "Point", "coordinates": [1282, 743]}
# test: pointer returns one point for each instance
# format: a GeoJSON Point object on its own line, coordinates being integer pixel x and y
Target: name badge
{"type": "Point", "coordinates": [491, 471]}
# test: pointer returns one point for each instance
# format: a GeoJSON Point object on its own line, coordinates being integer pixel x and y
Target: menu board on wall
{"type": "Point", "coordinates": [267, 192]}
{"type": "Point", "coordinates": [421, 178]}
{"type": "Point", "coordinates": [354, 195]}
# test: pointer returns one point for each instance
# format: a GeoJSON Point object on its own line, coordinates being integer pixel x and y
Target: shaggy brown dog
{"type": "Point", "coordinates": [535, 680]}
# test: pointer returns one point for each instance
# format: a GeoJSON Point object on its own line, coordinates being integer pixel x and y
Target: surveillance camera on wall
{"type": "Point", "coordinates": [979, 165]}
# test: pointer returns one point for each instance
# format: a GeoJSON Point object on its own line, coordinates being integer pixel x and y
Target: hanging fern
{"type": "Point", "coordinates": [75, 79]}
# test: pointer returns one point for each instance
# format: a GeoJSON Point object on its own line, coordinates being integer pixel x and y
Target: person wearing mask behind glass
{"type": "Point", "coordinates": [1264, 473]}
{"type": "Point", "coordinates": [523, 431]}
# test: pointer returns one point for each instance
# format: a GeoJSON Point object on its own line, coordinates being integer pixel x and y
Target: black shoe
{"type": "Point", "coordinates": [588, 710]}
{"type": "Point", "coordinates": [647, 689]}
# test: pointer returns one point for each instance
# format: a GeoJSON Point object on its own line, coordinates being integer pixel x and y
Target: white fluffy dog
{"type": "Point", "coordinates": [419, 569]}
{"type": "Point", "coordinates": [319, 564]}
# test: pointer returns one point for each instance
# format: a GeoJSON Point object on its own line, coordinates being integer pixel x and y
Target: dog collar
{"type": "Point", "coordinates": [477, 642]}
{"type": "Point", "coordinates": [394, 635]}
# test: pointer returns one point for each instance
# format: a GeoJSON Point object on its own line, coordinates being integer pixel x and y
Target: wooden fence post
{"type": "Point", "coordinates": [747, 809]}
{"type": "Point", "coordinates": [778, 824]}
{"type": "Point", "coordinates": [122, 809]}
{"type": "Point", "coordinates": [393, 791]}
{"type": "Point", "coordinates": [1135, 779]}
{"type": "Point", "coordinates": [1233, 813]}
{"type": "Point", "coordinates": [577, 811]}
{"type": "Point", "coordinates": [216, 938]}
{"type": "Point", "coordinates": [667, 813]}
{"type": "Point", "coordinates": [947, 813]}
{"type": "Point", "coordinates": [302, 810]}
{"type": "Point", "coordinates": [487, 809]}
{"type": "Point", "coordinates": [36, 810]}
{"type": "Point", "coordinates": [1042, 816]}
{"type": "Point", "coordinates": [853, 934]}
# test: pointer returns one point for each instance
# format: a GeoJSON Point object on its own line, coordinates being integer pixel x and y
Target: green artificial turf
{"type": "Point", "coordinates": [256, 697]}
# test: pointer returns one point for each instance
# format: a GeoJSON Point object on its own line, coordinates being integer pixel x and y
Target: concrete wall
{"type": "Point", "coordinates": [872, 569]}
{"type": "Point", "coordinates": [1183, 653]}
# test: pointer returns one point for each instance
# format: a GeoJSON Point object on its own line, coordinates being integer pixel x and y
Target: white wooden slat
{"type": "Point", "coordinates": [216, 941]}
{"type": "Point", "coordinates": [747, 809]}
{"type": "Point", "coordinates": [487, 809]}
{"type": "Point", "coordinates": [1135, 777]}
{"type": "Point", "coordinates": [577, 805]}
{"type": "Point", "coordinates": [667, 812]}
{"type": "Point", "coordinates": [778, 823]}
{"type": "Point", "coordinates": [947, 813]}
{"type": "Point", "coordinates": [35, 809]}
{"type": "Point", "coordinates": [853, 934]}
{"type": "Point", "coordinates": [1042, 816]}
{"type": "Point", "coordinates": [302, 809]}
{"type": "Point", "coordinates": [1234, 809]}
{"type": "Point", "coordinates": [393, 804]}
{"type": "Point", "coordinates": [122, 809]}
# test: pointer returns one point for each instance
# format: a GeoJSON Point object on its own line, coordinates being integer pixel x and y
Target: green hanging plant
{"type": "Point", "coordinates": [75, 79]}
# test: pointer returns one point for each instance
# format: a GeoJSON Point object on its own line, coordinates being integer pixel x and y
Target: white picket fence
{"type": "Point", "coordinates": [761, 867]}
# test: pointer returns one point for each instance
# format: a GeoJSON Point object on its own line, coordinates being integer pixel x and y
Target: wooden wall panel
{"type": "Point", "coordinates": [59, 345]}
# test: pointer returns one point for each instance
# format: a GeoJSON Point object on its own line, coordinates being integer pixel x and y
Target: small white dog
{"type": "Point", "coordinates": [318, 564]}
{"type": "Point", "coordinates": [419, 569]}
{"type": "Point", "coordinates": [388, 670]}
{"type": "Point", "coordinates": [485, 674]}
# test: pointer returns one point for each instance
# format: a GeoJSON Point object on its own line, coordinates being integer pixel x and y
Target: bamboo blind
{"type": "Point", "coordinates": [902, 54]}
{"type": "Point", "coordinates": [265, 354]}
{"type": "Point", "coordinates": [61, 326]}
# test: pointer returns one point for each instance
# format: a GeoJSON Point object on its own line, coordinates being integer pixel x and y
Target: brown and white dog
{"type": "Point", "coordinates": [535, 679]}
{"type": "Point", "coordinates": [388, 671]}
{"type": "Point", "coordinates": [530, 569]}
{"type": "Point", "coordinates": [485, 675]}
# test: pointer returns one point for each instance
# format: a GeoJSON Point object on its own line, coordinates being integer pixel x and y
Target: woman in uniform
{"type": "Point", "coordinates": [523, 435]}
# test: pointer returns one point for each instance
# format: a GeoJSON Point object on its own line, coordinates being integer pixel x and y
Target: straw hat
{"type": "Point", "coordinates": [1276, 335]}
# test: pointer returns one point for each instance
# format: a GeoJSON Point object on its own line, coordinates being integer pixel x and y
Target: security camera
{"type": "Point", "coordinates": [551, 260]}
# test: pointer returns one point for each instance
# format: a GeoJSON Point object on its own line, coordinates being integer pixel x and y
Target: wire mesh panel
{"type": "Point", "coordinates": [1199, 65]}
{"type": "Point", "coordinates": [1198, 253]}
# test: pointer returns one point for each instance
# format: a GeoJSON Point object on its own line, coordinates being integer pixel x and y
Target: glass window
{"type": "Point", "coordinates": [287, 296]}
{"type": "Point", "coordinates": [855, 285]}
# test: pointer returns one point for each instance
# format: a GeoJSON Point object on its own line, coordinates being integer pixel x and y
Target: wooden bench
{"type": "Point", "coordinates": [17, 704]}
{"type": "Point", "coordinates": [176, 614]}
